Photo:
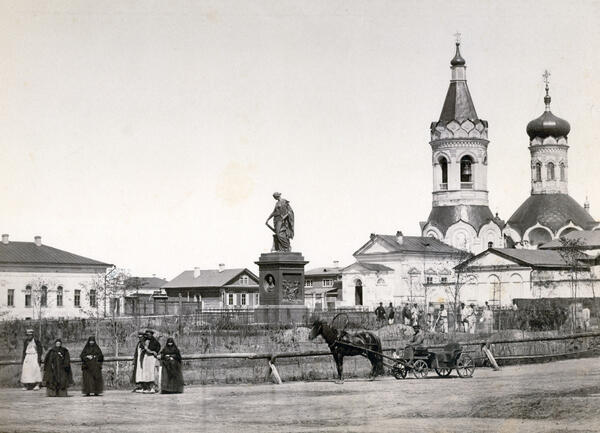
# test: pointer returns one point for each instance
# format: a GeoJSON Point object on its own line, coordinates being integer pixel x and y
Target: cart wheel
{"type": "Point", "coordinates": [443, 371]}
{"type": "Point", "coordinates": [420, 369]}
{"type": "Point", "coordinates": [465, 367]}
{"type": "Point", "coordinates": [399, 371]}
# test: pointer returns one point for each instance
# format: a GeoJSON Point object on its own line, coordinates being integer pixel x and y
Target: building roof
{"type": "Point", "coordinates": [207, 278]}
{"type": "Point", "coordinates": [29, 253]}
{"type": "Point", "coordinates": [444, 217]}
{"type": "Point", "coordinates": [323, 271]}
{"type": "Point", "coordinates": [147, 282]}
{"type": "Point", "coordinates": [550, 210]}
{"type": "Point", "coordinates": [548, 125]}
{"type": "Point", "coordinates": [458, 104]}
{"type": "Point", "coordinates": [369, 267]}
{"type": "Point", "coordinates": [538, 259]}
{"type": "Point", "coordinates": [411, 244]}
{"type": "Point", "coordinates": [589, 239]}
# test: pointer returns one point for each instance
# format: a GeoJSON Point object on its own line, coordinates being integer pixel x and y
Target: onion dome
{"type": "Point", "coordinates": [458, 60]}
{"type": "Point", "coordinates": [548, 125]}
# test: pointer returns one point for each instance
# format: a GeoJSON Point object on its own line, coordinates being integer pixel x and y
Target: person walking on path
{"type": "Point", "coordinates": [391, 314]}
{"type": "Point", "coordinates": [57, 371]}
{"type": "Point", "coordinates": [380, 313]}
{"type": "Point", "coordinates": [31, 374]}
{"type": "Point", "coordinates": [91, 368]}
{"type": "Point", "coordinates": [171, 375]}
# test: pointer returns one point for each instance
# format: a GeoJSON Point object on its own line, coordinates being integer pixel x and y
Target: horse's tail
{"type": "Point", "coordinates": [377, 357]}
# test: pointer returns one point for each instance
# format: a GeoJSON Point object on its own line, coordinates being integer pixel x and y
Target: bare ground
{"type": "Point", "coordinates": [555, 397]}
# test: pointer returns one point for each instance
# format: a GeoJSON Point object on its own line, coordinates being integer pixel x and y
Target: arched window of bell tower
{"type": "Point", "coordinates": [538, 172]}
{"type": "Point", "coordinates": [562, 171]}
{"type": "Point", "coordinates": [444, 169]}
{"type": "Point", "coordinates": [550, 171]}
{"type": "Point", "coordinates": [466, 172]}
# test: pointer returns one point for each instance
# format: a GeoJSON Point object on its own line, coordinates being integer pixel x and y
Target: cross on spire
{"type": "Point", "coordinates": [546, 76]}
{"type": "Point", "coordinates": [547, 99]}
{"type": "Point", "coordinates": [457, 35]}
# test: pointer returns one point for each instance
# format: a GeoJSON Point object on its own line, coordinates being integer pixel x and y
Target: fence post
{"type": "Point", "coordinates": [180, 316]}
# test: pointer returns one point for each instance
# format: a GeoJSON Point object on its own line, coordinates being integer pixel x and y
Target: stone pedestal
{"type": "Point", "coordinates": [281, 280]}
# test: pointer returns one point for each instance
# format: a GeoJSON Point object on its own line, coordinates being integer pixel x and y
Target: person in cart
{"type": "Point", "coordinates": [415, 342]}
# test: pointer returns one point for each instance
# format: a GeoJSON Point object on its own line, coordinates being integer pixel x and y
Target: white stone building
{"type": "Point", "coordinates": [38, 281]}
{"type": "Point", "coordinates": [460, 215]}
{"type": "Point", "coordinates": [399, 269]}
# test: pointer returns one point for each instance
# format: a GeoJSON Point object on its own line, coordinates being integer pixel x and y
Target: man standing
{"type": "Point", "coordinates": [443, 319]}
{"type": "Point", "coordinates": [406, 315]}
{"type": "Point", "coordinates": [460, 324]}
{"type": "Point", "coordinates": [430, 317]}
{"type": "Point", "coordinates": [472, 319]}
{"type": "Point", "coordinates": [31, 375]}
{"type": "Point", "coordinates": [391, 314]}
{"type": "Point", "coordinates": [380, 313]}
{"type": "Point", "coordinates": [414, 315]}
{"type": "Point", "coordinates": [149, 357]}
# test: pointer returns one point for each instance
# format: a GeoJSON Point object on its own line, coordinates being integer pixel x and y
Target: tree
{"type": "Point", "coordinates": [453, 288]}
{"type": "Point", "coordinates": [571, 252]}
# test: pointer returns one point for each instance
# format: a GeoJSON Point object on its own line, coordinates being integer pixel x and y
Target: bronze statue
{"type": "Point", "coordinates": [283, 221]}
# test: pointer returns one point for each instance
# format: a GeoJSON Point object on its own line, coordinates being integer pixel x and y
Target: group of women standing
{"type": "Point", "coordinates": [58, 376]}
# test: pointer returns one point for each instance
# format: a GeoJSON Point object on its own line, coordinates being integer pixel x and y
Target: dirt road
{"type": "Point", "coordinates": [555, 397]}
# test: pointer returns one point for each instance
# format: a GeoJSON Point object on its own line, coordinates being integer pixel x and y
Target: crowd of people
{"type": "Point", "coordinates": [466, 318]}
{"type": "Point", "coordinates": [56, 375]}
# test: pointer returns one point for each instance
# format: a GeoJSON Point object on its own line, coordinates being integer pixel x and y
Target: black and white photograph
{"type": "Point", "coordinates": [292, 216]}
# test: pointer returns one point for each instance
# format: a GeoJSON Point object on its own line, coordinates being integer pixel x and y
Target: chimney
{"type": "Point", "coordinates": [221, 267]}
{"type": "Point", "coordinates": [5, 239]}
{"type": "Point", "coordinates": [586, 205]}
{"type": "Point", "coordinates": [196, 272]}
{"type": "Point", "coordinates": [399, 237]}
{"type": "Point", "coordinates": [336, 264]}
{"type": "Point", "coordinates": [38, 241]}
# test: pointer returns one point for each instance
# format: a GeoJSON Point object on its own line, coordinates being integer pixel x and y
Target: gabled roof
{"type": "Point", "coordinates": [589, 240]}
{"type": "Point", "coordinates": [323, 271]}
{"type": "Point", "coordinates": [537, 259]}
{"type": "Point", "coordinates": [410, 244]}
{"type": "Point", "coordinates": [368, 267]}
{"type": "Point", "coordinates": [208, 278]}
{"type": "Point", "coordinates": [29, 253]}
{"type": "Point", "coordinates": [146, 282]}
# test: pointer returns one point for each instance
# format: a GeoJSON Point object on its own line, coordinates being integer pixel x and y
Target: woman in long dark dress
{"type": "Point", "coordinates": [91, 368]}
{"type": "Point", "coordinates": [171, 375]}
{"type": "Point", "coordinates": [57, 371]}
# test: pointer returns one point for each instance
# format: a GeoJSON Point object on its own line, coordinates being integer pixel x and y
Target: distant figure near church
{"type": "Point", "coordinates": [283, 224]}
{"type": "Point", "coordinates": [31, 376]}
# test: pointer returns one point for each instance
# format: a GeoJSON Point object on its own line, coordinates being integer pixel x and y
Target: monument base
{"type": "Point", "coordinates": [292, 314]}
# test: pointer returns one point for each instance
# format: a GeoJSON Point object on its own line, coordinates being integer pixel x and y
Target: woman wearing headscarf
{"type": "Point", "coordinates": [171, 376]}
{"type": "Point", "coordinates": [57, 370]}
{"type": "Point", "coordinates": [91, 368]}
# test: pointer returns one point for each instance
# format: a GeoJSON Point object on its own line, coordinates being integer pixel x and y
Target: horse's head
{"type": "Point", "coordinates": [316, 330]}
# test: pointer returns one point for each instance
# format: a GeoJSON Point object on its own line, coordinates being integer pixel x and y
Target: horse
{"type": "Point", "coordinates": [362, 343]}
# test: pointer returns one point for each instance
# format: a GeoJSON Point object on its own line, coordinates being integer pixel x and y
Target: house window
{"type": "Point", "coordinates": [550, 171]}
{"type": "Point", "coordinates": [11, 298]}
{"type": "Point", "coordinates": [244, 281]}
{"type": "Point", "coordinates": [538, 172]}
{"type": "Point", "coordinates": [466, 169]}
{"type": "Point", "coordinates": [92, 298]}
{"type": "Point", "coordinates": [307, 283]}
{"type": "Point", "coordinates": [243, 299]}
{"type": "Point", "coordinates": [428, 280]}
{"type": "Point", "coordinates": [256, 299]}
{"type": "Point", "coordinates": [77, 298]}
{"type": "Point", "coordinates": [562, 171]}
{"type": "Point", "coordinates": [230, 299]}
{"type": "Point", "coordinates": [327, 283]}
{"type": "Point", "coordinates": [28, 296]}
{"type": "Point", "coordinates": [59, 296]}
{"type": "Point", "coordinates": [444, 280]}
{"type": "Point", "coordinates": [44, 296]}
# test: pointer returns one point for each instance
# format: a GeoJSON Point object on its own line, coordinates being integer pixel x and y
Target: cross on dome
{"type": "Point", "coordinates": [457, 35]}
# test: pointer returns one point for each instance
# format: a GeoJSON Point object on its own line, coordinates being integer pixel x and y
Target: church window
{"type": "Point", "coordinates": [466, 170]}
{"type": "Point", "coordinates": [444, 280]}
{"type": "Point", "coordinates": [538, 172]}
{"type": "Point", "coordinates": [428, 280]}
{"type": "Point", "coordinates": [59, 296]}
{"type": "Point", "coordinates": [550, 171]}
{"type": "Point", "coordinates": [562, 171]}
{"type": "Point", "coordinates": [444, 169]}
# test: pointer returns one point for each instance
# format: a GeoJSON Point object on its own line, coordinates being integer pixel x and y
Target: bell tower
{"type": "Point", "coordinates": [459, 161]}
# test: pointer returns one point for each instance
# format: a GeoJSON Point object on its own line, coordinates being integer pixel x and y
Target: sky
{"type": "Point", "coordinates": [151, 134]}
